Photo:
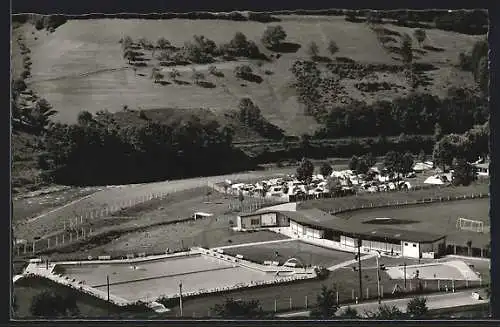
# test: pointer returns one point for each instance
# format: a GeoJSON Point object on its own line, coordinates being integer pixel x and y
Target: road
{"type": "Point", "coordinates": [435, 301]}
{"type": "Point", "coordinates": [110, 196]}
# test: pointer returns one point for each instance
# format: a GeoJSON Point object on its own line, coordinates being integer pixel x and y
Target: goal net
{"type": "Point", "coordinates": [470, 225]}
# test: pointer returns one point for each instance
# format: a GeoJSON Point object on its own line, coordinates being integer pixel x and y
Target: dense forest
{"type": "Point", "coordinates": [98, 151]}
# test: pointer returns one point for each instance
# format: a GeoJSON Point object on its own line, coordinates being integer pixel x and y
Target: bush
{"type": "Point", "coordinates": [25, 74]}
{"type": "Point", "coordinates": [39, 24]}
{"type": "Point", "coordinates": [243, 71]}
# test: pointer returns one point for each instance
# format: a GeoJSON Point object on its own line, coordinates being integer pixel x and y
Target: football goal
{"type": "Point", "coordinates": [470, 225]}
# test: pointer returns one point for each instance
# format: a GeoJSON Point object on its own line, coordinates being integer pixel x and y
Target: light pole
{"type": "Point", "coordinates": [180, 297]}
{"type": "Point", "coordinates": [359, 270]}
{"type": "Point", "coordinates": [405, 273]}
{"type": "Point", "coordinates": [378, 277]}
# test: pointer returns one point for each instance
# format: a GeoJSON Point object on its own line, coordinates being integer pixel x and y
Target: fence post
{"type": "Point", "coordinates": [48, 243]}
{"type": "Point", "coordinates": [70, 237]}
{"type": "Point", "coordinates": [290, 303]}
{"type": "Point", "coordinates": [25, 247]}
{"type": "Point", "coordinates": [352, 293]}
{"type": "Point", "coordinates": [382, 290]}
{"type": "Point", "coordinates": [34, 241]}
{"type": "Point", "coordinates": [306, 301]}
{"type": "Point", "coordinates": [425, 285]}
{"type": "Point", "coordinates": [337, 297]}
{"type": "Point", "coordinates": [439, 287]}
{"type": "Point", "coordinates": [453, 285]}
{"type": "Point", "coordinates": [275, 305]}
{"type": "Point", "coordinates": [367, 293]}
{"type": "Point", "coordinates": [63, 238]}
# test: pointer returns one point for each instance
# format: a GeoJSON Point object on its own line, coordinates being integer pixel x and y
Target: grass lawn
{"type": "Point", "coordinates": [88, 61]}
{"type": "Point", "coordinates": [29, 207]}
{"type": "Point", "coordinates": [27, 288]}
{"type": "Point", "coordinates": [307, 254]}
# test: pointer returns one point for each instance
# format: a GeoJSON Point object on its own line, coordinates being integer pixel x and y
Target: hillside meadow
{"type": "Point", "coordinates": [80, 65]}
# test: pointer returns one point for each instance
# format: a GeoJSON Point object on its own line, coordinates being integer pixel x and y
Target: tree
{"type": "Point", "coordinates": [386, 312]}
{"type": "Point", "coordinates": [362, 167]}
{"type": "Point", "coordinates": [156, 74]}
{"type": "Point", "coordinates": [174, 73]}
{"type": "Point", "coordinates": [273, 36]}
{"type": "Point", "coordinates": [143, 42]}
{"type": "Point", "coordinates": [313, 49]}
{"type": "Point", "coordinates": [349, 313]}
{"type": "Point", "coordinates": [326, 169]}
{"type": "Point", "coordinates": [326, 304]}
{"type": "Point", "coordinates": [162, 43]}
{"type": "Point", "coordinates": [421, 156]}
{"type": "Point", "coordinates": [463, 172]}
{"type": "Point", "coordinates": [393, 162]}
{"type": "Point", "coordinates": [18, 85]}
{"type": "Point", "coordinates": [197, 76]}
{"type": "Point", "coordinates": [305, 143]}
{"type": "Point", "coordinates": [406, 49]}
{"type": "Point", "coordinates": [438, 132]}
{"type": "Point", "coordinates": [243, 71]}
{"type": "Point", "coordinates": [370, 160]}
{"type": "Point", "coordinates": [127, 42]}
{"type": "Point", "coordinates": [353, 163]}
{"type": "Point", "coordinates": [53, 305]}
{"type": "Point", "coordinates": [407, 162]}
{"type": "Point", "coordinates": [305, 171]}
{"type": "Point", "coordinates": [239, 309]}
{"type": "Point", "coordinates": [482, 76]}
{"type": "Point", "coordinates": [40, 115]}
{"type": "Point", "coordinates": [333, 185]}
{"type": "Point", "coordinates": [84, 117]}
{"type": "Point", "coordinates": [130, 55]}
{"type": "Point", "coordinates": [332, 47]}
{"type": "Point", "coordinates": [417, 307]}
{"type": "Point", "coordinates": [420, 35]}
{"type": "Point", "coordinates": [449, 147]}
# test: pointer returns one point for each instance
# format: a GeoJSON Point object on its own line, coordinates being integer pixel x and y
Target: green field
{"type": "Point", "coordinates": [437, 218]}
{"type": "Point", "coordinates": [80, 65]}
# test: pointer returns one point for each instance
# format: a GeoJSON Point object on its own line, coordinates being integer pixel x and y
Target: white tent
{"type": "Point", "coordinates": [434, 180]}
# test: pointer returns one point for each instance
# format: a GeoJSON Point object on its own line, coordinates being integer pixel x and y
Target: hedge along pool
{"type": "Point", "coordinates": [149, 280]}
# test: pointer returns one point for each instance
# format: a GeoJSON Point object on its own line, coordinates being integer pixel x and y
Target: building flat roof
{"type": "Point", "coordinates": [320, 219]}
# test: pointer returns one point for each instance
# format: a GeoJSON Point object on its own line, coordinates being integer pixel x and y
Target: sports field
{"type": "Point", "coordinates": [150, 280]}
{"type": "Point", "coordinates": [437, 218]}
{"type": "Point", "coordinates": [307, 254]}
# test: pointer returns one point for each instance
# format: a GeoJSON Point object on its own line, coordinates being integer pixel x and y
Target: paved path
{"type": "Point", "coordinates": [436, 301]}
{"type": "Point", "coordinates": [252, 244]}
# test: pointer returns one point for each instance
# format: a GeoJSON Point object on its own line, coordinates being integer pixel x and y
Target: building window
{"type": "Point", "coordinates": [414, 245]}
{"type": "Point", "coordinates": [254, 221]}
{"type": "Point", "coordinates": [406, 244]}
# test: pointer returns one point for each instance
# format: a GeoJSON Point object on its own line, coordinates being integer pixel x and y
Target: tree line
{"type": "Point", "coordinates": [417, 113]}
{"type": "Point", "coordinates": [99, 151]}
